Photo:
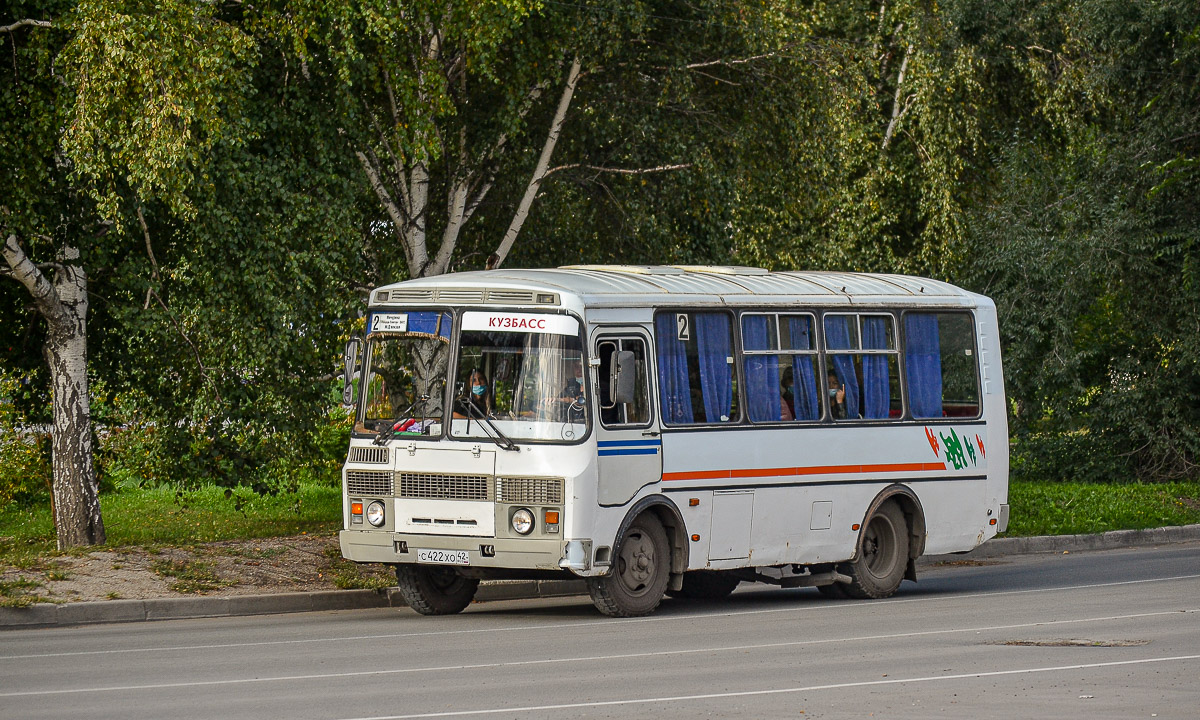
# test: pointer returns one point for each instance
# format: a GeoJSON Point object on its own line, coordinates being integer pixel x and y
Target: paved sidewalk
{"type": "Point", "coordinates": [112, 611]}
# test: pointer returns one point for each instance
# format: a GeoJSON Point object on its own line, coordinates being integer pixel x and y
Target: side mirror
{"type": "Point", "coordinates": [350, 369]}
{"type": "Point", "coordinates": [622, 380]}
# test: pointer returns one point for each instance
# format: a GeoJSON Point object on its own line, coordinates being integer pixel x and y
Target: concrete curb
{"type": "Point", "coordinates": [116, 611]}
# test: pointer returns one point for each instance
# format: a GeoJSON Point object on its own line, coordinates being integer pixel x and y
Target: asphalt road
{"type": "Point", "coordinates": [1113, 634]}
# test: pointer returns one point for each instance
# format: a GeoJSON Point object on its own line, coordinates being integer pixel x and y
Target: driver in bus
{"type": "Point", "coordinates": [572, 391]}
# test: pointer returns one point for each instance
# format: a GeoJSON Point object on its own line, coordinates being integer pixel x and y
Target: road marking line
{"type": "Point", "coordinates": [836, 606]}
{"type": "Point", "coordinates": [782, 691]}
{"type": "Point", "coordinates": [593, 658]}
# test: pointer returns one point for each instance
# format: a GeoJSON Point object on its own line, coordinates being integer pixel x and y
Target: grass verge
{"type": "Point", "coordinates": [1071, 508]}
{"type": "Point", "coordinates": [162, 516]}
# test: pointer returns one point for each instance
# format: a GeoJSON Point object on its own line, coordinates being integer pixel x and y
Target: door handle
{"type": "Point", "coordinates": [650, 433]}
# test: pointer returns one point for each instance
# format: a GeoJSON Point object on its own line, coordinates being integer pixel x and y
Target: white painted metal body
{"type": "Point", "coordinates": [747, 495]}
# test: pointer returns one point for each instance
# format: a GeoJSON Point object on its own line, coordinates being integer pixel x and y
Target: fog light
{"type": "Point", "coordinates": [522, 521]}
{"type": "Point", "coordinates": [375, 513]}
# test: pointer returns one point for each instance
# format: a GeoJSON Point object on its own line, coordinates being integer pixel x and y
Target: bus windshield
{"type": "Point", "coordinates": [521, 374]}
{"type": "Point", "coordinates": [408, 356]}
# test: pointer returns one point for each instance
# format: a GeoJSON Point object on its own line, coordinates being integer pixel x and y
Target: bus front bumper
{"type": "Point", "coordinates": [387, 547]}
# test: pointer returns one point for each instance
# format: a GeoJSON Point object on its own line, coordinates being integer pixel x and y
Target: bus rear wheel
{"type": "Point", "coordinates": [882, 556]}
{"type": "Point", "coordinates": [435, 590]}
{"type": "Point", "coordinates": [640, 572]}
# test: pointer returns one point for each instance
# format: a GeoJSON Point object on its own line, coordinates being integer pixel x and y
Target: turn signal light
{"type": "Point", "coordinates": [695, 538]}
{"type": "Point", "coordinates": [356, 508]}
{"type": "Point", "coordinates": [551, 517]}
{"type": "Point", "coordinates": [693, 502]}
{"type": "Point", "coordinates": [992, 521]}
{"type": "Point", "coordinates": [855, 526]}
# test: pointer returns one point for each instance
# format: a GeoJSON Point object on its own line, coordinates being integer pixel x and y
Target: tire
{"type": "Point", "coordinates": [640, 573]}
{"type": "Point", "coordinates": [435, 590]}
{"type": "Point", "coordinates": [706, 585]}
{"type": "Point", "coordinates": [882, 557]}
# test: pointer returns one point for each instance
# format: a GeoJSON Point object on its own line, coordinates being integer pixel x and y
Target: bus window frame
{"type": "Point", "coordinates": [737, 379]}
{"type": "Point", "coordinates": [814, 316]}
{"type": "Point", "coordinates": [647, 386]}
{"type": "Point", "coordinates": [591, 415]}
{"type": "Point", "coordinates": [970, 313]}
{"type": "Point", "coordinates": [360, 411]}
{"type": "Point", "coordinates": [896, 351]}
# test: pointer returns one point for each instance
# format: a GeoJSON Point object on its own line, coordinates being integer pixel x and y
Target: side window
{"type": "Point", "coordinates": [780, 360]}
{"type": "Point", "coordinates": [637, 412]}
{"type": "Point", "coordinates": [940, 365]}
{"type": "Point", "coordinates": [863, 372]}
{"type": "Point", "coordinates": [696, 381]}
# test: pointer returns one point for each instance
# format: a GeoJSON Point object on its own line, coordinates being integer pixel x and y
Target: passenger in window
{"type": "Point", "coordinates": [479, 394]}
{"type": "Point", "coordinates": [837, 397]}
{"type": "Point", "coordinates": [787, 400]}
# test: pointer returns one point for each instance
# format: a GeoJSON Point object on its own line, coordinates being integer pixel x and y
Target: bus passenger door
{"type": "Point", "coordinates": [629, 446]}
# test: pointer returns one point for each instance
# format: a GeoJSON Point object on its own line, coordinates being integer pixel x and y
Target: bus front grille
{"type": "Point", "coordinates": [368, 455]}
{"type": "Point", "coordinates": [443, 487]}
{"type": "Point", "coordinates": [534, 491]}
{"type": "Point", "coordinates": [369, 482]}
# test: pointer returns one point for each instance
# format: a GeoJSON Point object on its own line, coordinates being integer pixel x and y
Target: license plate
{"type": "Point", "coordinates": [443, 557]}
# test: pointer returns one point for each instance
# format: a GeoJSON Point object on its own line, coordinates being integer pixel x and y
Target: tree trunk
{"type": "Point", "coordinates": [64, 306]}
{"type": "Point", "coordinates": [76, 492]}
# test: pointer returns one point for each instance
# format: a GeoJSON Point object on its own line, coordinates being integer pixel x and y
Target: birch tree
{"type": "Point", "coordinates": [449, 100]}
{"type": "Point", "coordinates": [107, 103]}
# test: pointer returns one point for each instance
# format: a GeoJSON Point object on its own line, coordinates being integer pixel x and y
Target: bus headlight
{"type": "Point", "coordinates": [522, 521]}
{"type": "Point", "coordinates": [375, 514]}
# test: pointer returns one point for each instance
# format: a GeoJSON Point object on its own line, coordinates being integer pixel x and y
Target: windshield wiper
{"type": "Point", "coordinates": [494, 433]}
{"type": "Point", "coordinates": [389, 432]}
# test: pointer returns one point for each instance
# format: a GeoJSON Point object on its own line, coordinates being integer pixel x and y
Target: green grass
{"type": "Point", "coordinates": [1070, 508]}
{"type": "Point", "coordinates": [189, 577]}
{"type": "Point", "coordinates": [18, 592]}
{"type": "Point", "coordinates": [149, 517]}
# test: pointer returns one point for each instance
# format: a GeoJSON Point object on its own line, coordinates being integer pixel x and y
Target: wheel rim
{"type": "Point", "coordinates": [636, 564]}
{"type": "Point", "coordinates": [444, 580]}
{"type": "Point", "coordinates": [879, 546]}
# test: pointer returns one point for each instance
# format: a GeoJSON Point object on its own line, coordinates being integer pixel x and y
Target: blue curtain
{"type": "Point", "coordinates": [923, 364]}
{"type": "Point", "coordinates": [674, 393]}
{"type": "Point", "coordinates": [838, 331]}
{"type": "Point", "coordinates": [430, 323]}
{"type": "Point", "coordinates": [716, 374]}
{"type": "Point", "coordinates": [876, 394]}
{"type": "Point", "coordinates": [762, 371]}
{"type": "Point", "coordinates": [804, 388]}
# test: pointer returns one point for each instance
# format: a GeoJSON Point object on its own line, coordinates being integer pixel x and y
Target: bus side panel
{"type": "Point", "coordinates": [807, 524]}
{"type": "Point", "coordinates": [813, 484]}
{"type": "Point", "coordinates": [950, 528]}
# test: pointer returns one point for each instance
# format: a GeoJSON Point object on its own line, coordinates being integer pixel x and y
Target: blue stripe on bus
{"type": "Point", "coordinates": [631, 451]}
{"type": "Point", "coordinates": [614, 443]}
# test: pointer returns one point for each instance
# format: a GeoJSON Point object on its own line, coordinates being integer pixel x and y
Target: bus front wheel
{"type": "Point", "coordinates": [882, 556]}
{"type": "Point", "coordinates": [435, 590]}
{"type": "Point", "coordinates": [640, 572]}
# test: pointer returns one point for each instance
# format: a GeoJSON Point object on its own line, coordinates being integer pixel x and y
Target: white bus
{"type": "Point", "coordinates": [671, 430]}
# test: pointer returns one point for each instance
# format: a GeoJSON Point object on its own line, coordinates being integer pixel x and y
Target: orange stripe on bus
{"type": "Point", "coordinates": [814, 470]}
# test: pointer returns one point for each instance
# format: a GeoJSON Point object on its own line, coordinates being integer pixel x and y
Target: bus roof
{"type": "Point", "coordinates": [626, 285]}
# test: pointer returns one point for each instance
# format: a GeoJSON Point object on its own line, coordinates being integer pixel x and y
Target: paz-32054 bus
{"type": "Point", "coordinates": [671, 430]}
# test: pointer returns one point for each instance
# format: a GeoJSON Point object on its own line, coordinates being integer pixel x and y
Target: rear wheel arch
{"type": "Point", "coordinates": [914, 515]}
